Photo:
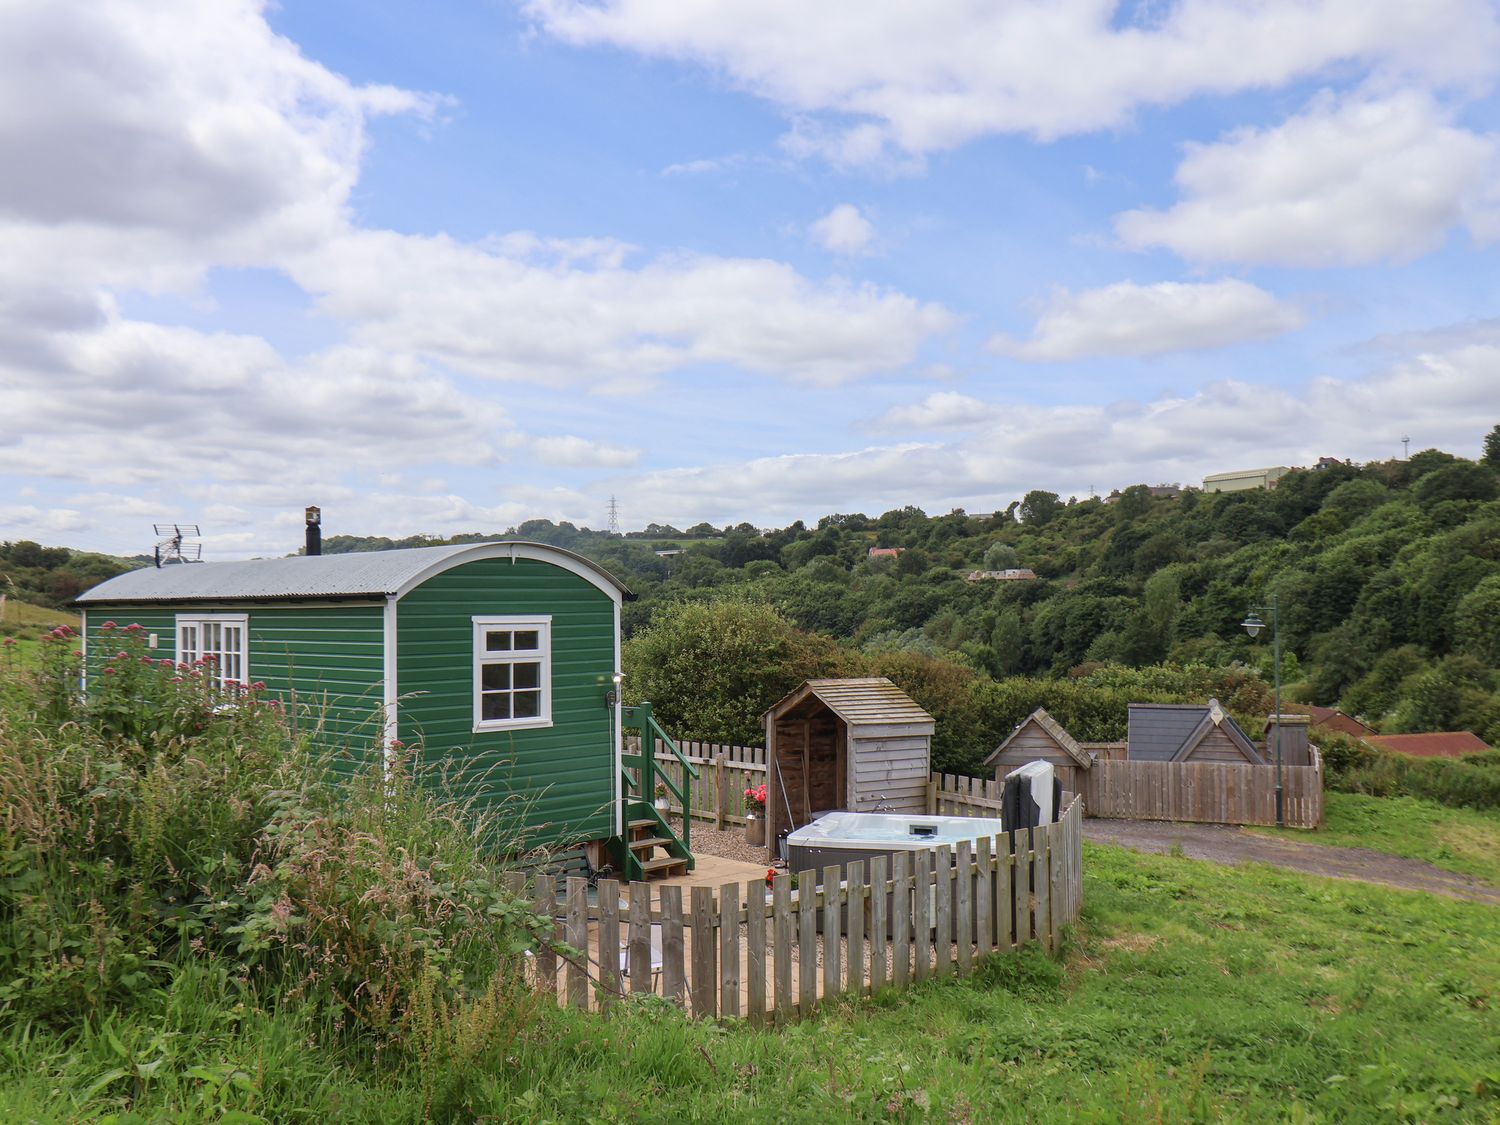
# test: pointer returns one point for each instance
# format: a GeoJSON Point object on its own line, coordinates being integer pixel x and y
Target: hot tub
{"type": "Point", "coordinates": [841, 838]}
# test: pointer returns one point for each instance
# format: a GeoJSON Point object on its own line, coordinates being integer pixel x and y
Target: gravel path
{"type": "Point", "coordinates": [729, 843]}
{"type": "Point", "coordinates": [1227, 844]}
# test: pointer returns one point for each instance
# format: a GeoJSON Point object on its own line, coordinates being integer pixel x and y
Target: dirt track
{"type": "Point", "coordinates": [1226, 844]}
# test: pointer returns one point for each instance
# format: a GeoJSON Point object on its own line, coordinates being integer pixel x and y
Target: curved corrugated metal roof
{"type": "Point", "coordinates": [352, 575]}
{"type": "Point", "coordinates": [865, 701]}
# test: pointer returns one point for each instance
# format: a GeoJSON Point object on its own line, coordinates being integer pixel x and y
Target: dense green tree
{"type": "Point", "coordinates": [1039, 507]}
{"type": "Point", "coordinates": [711, 669]}
{"type": "Point", "coordinates": [1491, 456]}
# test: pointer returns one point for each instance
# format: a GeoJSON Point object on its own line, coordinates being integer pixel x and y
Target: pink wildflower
{"type": "Point", "coordinates": [9, 641]}
{"type": "Point", "coordinates": [78, 652]}
{"type": "Point", "coordinates": [107, 626]}
{"type": "Point", "coordinates": [133, 628]}
{"type": "Point", "coordinates": [258, 685]}
{"type": "Point", "coordinates": [123, 656]}
{"type": "Point", "coordinates": [165, 662]}
{"type": "Point", "coordinates": [109, 670]}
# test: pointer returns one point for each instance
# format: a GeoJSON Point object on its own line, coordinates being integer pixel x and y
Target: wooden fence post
{"type": "Point", "coordinates": [673, 971]}
{"type": "Point", "coordinates": [781, 914]}
{"type": "Point", "coordinates": [832, 924]}
{"type": "Point", "coordinates": [609, 941]}
{"type": "Point", "coordinates": [720, 796]}
{"type": "Point", "coordinates": [807, 943]}
{"type": "Point", "coordinates": [577, 935]}
{"type": "Point", "coordinates": [857, 915]}
{"type": "Point", "coordinates": [729, 950]}
{"type": "Point", "coordinates": [704, 987]}
{"type": "Point", "coordinates": [879, 920]}
{"type": "Point", "coordinates": [755, 952]}
{"type": "Point", "coordinates": [545, 900]}
{"type": "Point", "coordinates": [901, 918]}
{"type": "Point", "coordinates": [640, 968]}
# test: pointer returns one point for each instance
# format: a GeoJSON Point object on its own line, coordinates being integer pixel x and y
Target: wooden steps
{"type": "Point", "coordinates": [651, 846]}
{"type": "Point", "coordinates": [664, 867]}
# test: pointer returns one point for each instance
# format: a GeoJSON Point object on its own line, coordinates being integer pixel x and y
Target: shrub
{"type": "Point", "coordinates": [164, 824]}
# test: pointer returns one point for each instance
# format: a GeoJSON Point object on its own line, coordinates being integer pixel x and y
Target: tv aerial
{"type": "Point", "coordinates": [176, 543]}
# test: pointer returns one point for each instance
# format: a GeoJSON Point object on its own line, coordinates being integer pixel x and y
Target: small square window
{"type": "Point", "coordinates": [512, 672]}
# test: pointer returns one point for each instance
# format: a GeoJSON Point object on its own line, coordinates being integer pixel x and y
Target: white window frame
{"type": "Point", "coordinates": [198, 621]}
{"type": "Point", "coordinates": [543, 656]}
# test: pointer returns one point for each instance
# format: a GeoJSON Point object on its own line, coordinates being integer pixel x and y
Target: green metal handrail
{"type": "Point", "coordinates": [641, 718]}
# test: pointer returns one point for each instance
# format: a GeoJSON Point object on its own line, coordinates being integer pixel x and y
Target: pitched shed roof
{"type": "Point", "coordinates": [362, 574]}
{"type": "Point", "coordinates": [1166, 732]}
{"type": "Point", "coordinates": [865, 701]}
{"type": "Point", "coordinates": [1435, 744]}
{"type": "Point", "coordinates": [1331, 718]}
{"type": "Point", "coordinates": [1055, 731]}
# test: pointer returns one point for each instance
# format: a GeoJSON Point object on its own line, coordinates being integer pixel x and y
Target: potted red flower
{"type": "Point", "coordinates": [755, 816]}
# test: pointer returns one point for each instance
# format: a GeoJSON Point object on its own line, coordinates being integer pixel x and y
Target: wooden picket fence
{"type": "Point", "coordinates": [724, 773]}
{"type": "Point", "coordinates": [950, 794]}
{"type": "Point", "coordinates": [772, 954]}
{"type": "Point", "coordinates": [1203, 792]}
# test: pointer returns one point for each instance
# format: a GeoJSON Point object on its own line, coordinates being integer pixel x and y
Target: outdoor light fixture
{"type": "Point", "coordinates": [1253, 624]}
{"type": "Point", "coordinates": [612, 696]}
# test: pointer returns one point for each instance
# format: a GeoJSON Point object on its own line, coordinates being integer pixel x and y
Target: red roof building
{"type": "Point", "coordinates": [1436, 744]}
{"type": "Point", "coordinates": [1331, 718]}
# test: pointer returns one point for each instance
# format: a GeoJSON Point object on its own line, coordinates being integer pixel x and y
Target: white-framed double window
{"type": "Point", "coordinates": [224, 638]}
{"type": "Point", "coordinates": [512, 672]}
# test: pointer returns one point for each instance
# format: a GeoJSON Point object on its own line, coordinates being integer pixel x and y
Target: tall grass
{"type": "Point", "coordinates": [165, 833]}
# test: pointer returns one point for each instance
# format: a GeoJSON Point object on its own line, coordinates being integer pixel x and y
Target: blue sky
{"type": "Point", "coordinates": [446, 267]}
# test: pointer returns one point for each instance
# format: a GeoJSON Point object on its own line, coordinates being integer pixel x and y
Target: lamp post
{"type": "Point", "coordinates": [1253, 625]}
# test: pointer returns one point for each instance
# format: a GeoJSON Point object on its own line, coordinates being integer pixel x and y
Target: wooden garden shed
{"type": "Point", "coordinates": [1040, 737]}
{"type": "Point", "coordinates": [497, 660]}
{"type": "Point", "coordinates": [855, 745]}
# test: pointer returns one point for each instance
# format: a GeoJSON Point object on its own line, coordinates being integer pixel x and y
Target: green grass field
{"type": "Point", "coordinates": [1191, 992]}
{"type": "Point", "coordinates": [1466, 841]}
{"type": "Point", "coordinates": [21, 619]}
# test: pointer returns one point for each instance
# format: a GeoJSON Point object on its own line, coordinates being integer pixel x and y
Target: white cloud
{"type": "Point", "coordinates": [843, 230]}
{"type": "Point", "coordinates": [942, 410]}
{"type": "Point", "coordinates": [1126, 319]}
{"type": "Point", "coordinates": [575, 452]}
{"type": "Point", "coordinates": [1346, 182]}
{"type": "Point", "coordinates": [1436, 397]}
{"type": "Point", "coordinates": [498, 312]}
{"type": "Point", "coordinates": [144, 140]}
{"type": "Point", "coordinates": [861, 80]}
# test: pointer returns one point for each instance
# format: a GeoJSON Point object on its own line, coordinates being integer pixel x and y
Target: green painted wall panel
{"type": "Point", "coordinates": [557, 781]}
{"type": "Point", "coordinates": [325, 663]}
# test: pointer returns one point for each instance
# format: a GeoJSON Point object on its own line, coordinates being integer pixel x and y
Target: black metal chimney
{"type": "Point", "coordinates": [314, 531]}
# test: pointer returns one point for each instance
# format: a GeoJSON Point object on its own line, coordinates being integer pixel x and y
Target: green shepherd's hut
{"type": "Point", "coordinates": [498, 662]}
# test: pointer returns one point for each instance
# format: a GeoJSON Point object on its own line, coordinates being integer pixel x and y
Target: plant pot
{"type": "Point", "coordinates": [663, 805]}
{"type": "Point", "coordinates": [755, 830]}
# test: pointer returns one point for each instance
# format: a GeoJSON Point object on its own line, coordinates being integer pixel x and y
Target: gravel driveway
{"type": "Point", "coordinates": [1221, 843]}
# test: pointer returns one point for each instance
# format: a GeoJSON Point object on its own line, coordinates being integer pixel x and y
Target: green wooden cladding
{"type": "Point", "coordinates": [558, 781]}
{"type": "Point", "coordinates": [326, 662]}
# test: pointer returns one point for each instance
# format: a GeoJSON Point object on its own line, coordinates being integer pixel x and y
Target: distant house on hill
{"type": "Point", "coordinates": [1014, 574]}
{"type": "Point", "coordinates": [886, 552]}
{"type": "Point", "coordinates": [1436, 744]}
{"type": "Point", "coordinates": [1332, 719]}
{"type": "Point", "coordinates": [1242, 480]}
{"type": "Point", "coordinates": [1325, 463]}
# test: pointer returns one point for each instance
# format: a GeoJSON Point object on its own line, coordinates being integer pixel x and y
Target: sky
{"type": "Point", "coordinates": [445, 267]}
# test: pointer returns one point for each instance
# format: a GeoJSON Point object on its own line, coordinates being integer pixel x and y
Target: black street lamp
{"type": "Point", "coordinates": [1253, 625]}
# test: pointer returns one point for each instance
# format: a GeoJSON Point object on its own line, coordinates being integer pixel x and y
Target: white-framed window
{"type": "Point", "coordinates": [512, 672]}
{"type": "Point", "coordinates": [224, 637]}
